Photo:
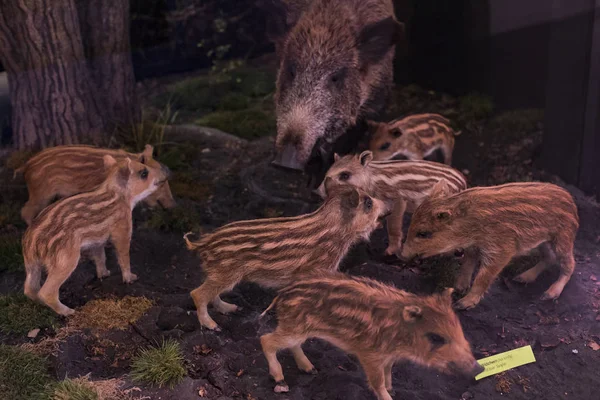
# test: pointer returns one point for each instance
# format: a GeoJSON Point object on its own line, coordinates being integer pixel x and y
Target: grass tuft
{"type": "Point", "coordinates": [475, 106]}
{"type": "Point", "coordinates": [183, 218]}
{"type": "Point", "coordinates": [20, 315]}
{"type": "Point", "coordinates": [11, 253]}
{"type": "Point", "coordinates": [75, 389]}
{"type": "Point", "coordinates": [23, 375]}
{"type": "Point", "coordinates": [107, 314]}
{"type": "Point", "coordinates": [247, 124]}
{"type": "Point", "coordinates": [161, 365]}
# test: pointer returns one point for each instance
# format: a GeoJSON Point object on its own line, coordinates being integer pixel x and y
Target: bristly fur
{"type": "Point", "coordinates": [64, 171]}
{"type": "Point", "coordinates": [493, 225]}
{"type": "Point", "coordinates": [376, 322]}
{"type": "Point", "coordinates": [86, 221]}
{"type": "Point", "coordinates": [275, 252]}
{"type": "Point", "coordinates": [416, 137]}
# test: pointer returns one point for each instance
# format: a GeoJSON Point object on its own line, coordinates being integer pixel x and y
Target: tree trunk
{"type": "Point", "coordinates": [105, 31]}
{"type": "Point", "coordinates": [51, 94]}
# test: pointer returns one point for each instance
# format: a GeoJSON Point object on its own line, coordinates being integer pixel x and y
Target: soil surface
{"type": "Point", "coordinates": [230, 364]}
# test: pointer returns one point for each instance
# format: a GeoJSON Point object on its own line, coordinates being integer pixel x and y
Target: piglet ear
{"type": "Point", "coordinates": [412, 313]}
{"type": "Point", "coordinates": [109, 161]}
{"type": "Point", "coordinates": [336, 157]}
{"type": "Point", "coordinates": [372, 126]}
{"type": "Point", "coordinates": [350, 199]}
{"type": "Point", "coordinates": [440, 189]}
{"type": "Point", "coordinates": [447, 294]}
{"type": "Point", "coordinates": [375, 40]}
{"type": "Point", "coordinates": [124, 173]}
{"type": "Point", "coordinates": [148, 151]}
{"type": "Point", "coordinates": [365, 157]}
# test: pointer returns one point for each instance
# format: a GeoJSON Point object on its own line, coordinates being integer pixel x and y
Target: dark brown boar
{"type": "Point", "coordinates": [64, 171]}
{"type": "Point", "coordinates": [276, 252]}
{"type": "Point", "coordinates": [494, 224]}
{"type": "Point", "coordinates": [335, 69]}
{"type": "Point", "coordinates": [88, 220]}
{"type": "Point", "coordinates": [378, 323]}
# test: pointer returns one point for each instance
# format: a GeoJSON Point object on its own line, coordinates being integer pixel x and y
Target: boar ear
{"type": "Point", "coordinates": [372, 126]}
{"type": "Point", "coordinates": [336, 157]}
{"type": "Point", "coordinates": [124, 173]}
{"type": "Point", "coordinates": [148, 150]}
{"type": "Point", "coordinates": [350, 199]}
{"type": "Point", "coordinates": [279, 18]}
{"type": "Point", "coordinates": [447, 294]}
{"type": "Point", "coordinates": [440, 189]}
{"type": "Point", "coordinates": [109, 161]}
{"type": "Point", "coordinates": [376, 39]}
{"type": "Point", "coordinates": [365, 157]}
{"type": "Point", "coordinates": [443, 216]}
{"type": "Point", "coordinates": [412, 313]}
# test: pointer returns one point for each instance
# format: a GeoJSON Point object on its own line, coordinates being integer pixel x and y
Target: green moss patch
{"type": "Point", "coordinates": [11, 253]}
{"type": "Point", "coordinates": [161, 365]}
{"type": "Point", "coordinates": [20, 315]}
{"type": "Point", "coordinates": [183, 218]}
{"type": "Point", "coordinates": [247, 124]}
{"type": "Point", "coordinates": [23, 375]}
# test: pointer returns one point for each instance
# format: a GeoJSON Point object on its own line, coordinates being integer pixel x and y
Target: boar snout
{"type": "Point", "coordinates": [288, 158]}
{"type": "Point", "coordinates": [166, 171]}
{"type": "Point", "coordinates": [470, 371]}
{"type": "Point", "coordinates": [320, 191]}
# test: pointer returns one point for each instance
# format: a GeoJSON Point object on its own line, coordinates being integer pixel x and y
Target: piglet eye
{"type": "Point", "coordinates": [344, 176]}
{"type": "Point", "coordinates": [385, 146]}
{"type": "Point", "coordinates": [396, 132]}
{"type": "Point", "coordinates": [368, 204]}
{"type": "Point", "coordinates": [424, 235]}
{"type": "Point", "coordinates": [144, 173]}
{"type": "Point", "coordinates": [435, 339]}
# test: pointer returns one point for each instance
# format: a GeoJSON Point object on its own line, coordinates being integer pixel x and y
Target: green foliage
{"type": "Point", "coordinates": [71, 389]}
{"type": "Point", "coordinates": [11, 253]}
{"type": "Point", "coordinates": [19, 315]}
{"type": "Point", "coordinates": [150, 130]}
{"type": "Point", "coordinates": [179, 157]}
{"type": "Point", "coordinates": [161, 365]}
{"type": "Point", "coordinates": [184, 184]}
{"type": "Point", "coordinates": [519, 121]}
{"type": "Point", "coordinates": [247, 124]}
{"type": "Point", "coordinates": [234, 101]}
{"type": "Point", "coordinates": [23, 375]}
{"type": "Point", "coordinates": [475, 106]}
{"type": "Point", "coordinates": [183, 218]}
{"type": "Point", "coordinates": [10, 214]}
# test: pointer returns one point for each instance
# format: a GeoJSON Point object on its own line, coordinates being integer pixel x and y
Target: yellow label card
{"type": "Point", "coordinates": [505, 361]}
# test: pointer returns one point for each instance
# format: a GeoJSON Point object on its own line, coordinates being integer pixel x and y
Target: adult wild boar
{"type": "Point", "coordinates": [335, 69]}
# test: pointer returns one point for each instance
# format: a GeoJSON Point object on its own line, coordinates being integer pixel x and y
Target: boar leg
{"type": "Point", "coordinates": [98, 255]}
{"type": "Point", "coordinates": [447, 150]}
{"type": "Point", "coordinates": [273, 342]}
{"type": "Point", "coordinates": [470, 261]}
{"type": "Point", "coordinates": [394, 227]}
{"type": "Point", "coordinates": [34, 205]}
{"type": "Point", "coordinates": [302, 361]}
{"type": "Point", "coordinates": [487, 274]}
{"type": "Point", "coordinates": [374, 369]}
{"type": "Point", "coordinates": [387, 369]}
{"type": "Point", "coordinates": [57, 275]}
{"type": "Point", "coordinates": [206, 293]}
{"type": "Point", "coordinates": [223, 307]}
{"type": "Point", "coordinates": [121, 239]}
{"type": "Point", "coordinates": [548, 259]}
{"type": "Point", "coordinates": [564, 252]}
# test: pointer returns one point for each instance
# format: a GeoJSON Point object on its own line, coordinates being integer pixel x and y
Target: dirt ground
{"type": "Point", "coordinates": [230, 364]}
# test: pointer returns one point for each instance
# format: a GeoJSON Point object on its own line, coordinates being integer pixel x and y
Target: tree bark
{"type": "Point", "coordinates": [50, 89]}
{"type": "Point", "coordinates": [105, 31]}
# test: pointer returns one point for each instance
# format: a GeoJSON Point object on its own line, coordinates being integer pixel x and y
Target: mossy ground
{"type": "Point", "coordinates": [11, 256]}
{"type": "Point", "coordinates": [19, 315]}
{"type": "Point", "coordinates": [106, 314]}
{"type": "Point", "coordinates": [23, 375]}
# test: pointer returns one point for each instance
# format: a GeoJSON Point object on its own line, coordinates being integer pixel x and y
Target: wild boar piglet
{"type": "Point", "coordinates": [86, 221]}
{"type": "Point", "coordinates": [64, 171]}
{"type": "Point", "coordinates": [414, 137]}
{"type": "Point", "coordinates": [401, 185]}
{"type": "Point", "coordinates": [376, 322]}
{"type": "Point", "coordinates": [276, 252]}
{"type": "Point", "coordinates": [494, 224]}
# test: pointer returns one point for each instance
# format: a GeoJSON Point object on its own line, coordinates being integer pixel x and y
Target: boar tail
{"type": "Point", "coordinates": [269, 308]}
{"type": "Point", "coordinates": [189, 244]}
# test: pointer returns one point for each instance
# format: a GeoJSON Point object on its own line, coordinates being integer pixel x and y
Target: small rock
{"type": "Point", "coordinates": [206, 150]}
{"type": "Point", "coordinates": [593, 345]}
{"type": "Point", "coordinates": [466, 171]}
{"type": "Point", "coordinates": [575, 351]}
{"type": "Point", "coordinates": [593, 278]}
{"type": "Point", "coordinates": [33, 333]}
{"type": "Point", "coordinates": [467, 396]}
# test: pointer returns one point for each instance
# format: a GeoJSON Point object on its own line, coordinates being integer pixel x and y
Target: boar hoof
{"type": "Point", "coordinates": [281, 387]}
{"type": "Point", "coordinates": [130, 278]}
{"type": "Point", "coordinates": [548, 296]}
{"type": "Point", "coordinates": [104, 274]}
{"type": "Point", "coordinates": [312, 371]}
{"type": "Point", "coordinates": [465, 304]}
{"type": "Point", "coordinates": [66, 311]}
